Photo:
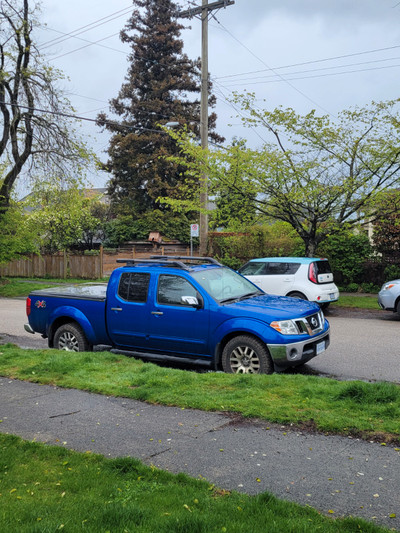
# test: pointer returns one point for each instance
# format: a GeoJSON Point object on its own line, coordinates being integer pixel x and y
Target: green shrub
{"type": "Point", "coordinates": [392, 272]}
{"type": "Point", "coordinates": [347, 253]}
{"type": "Point", "coordinates": [269, 240]}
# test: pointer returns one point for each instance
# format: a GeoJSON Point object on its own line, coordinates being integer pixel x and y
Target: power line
{"type": "Point", "coordinates": [324, 75]}
{"type": "Point", "coordinates": [91, 42]}
{"type": "Point", "coordinates": [86, 46]}
{"type": "Point", "coordinates": [273, 70]}
{"type": "Point", "coordinates": [77, 117]}
{"type": "Point", "coordinates": [253, 79]}
{"type": "Point", "coordinates": [313, 61]}
{"type": "Point", "coordinates": [87, 27]}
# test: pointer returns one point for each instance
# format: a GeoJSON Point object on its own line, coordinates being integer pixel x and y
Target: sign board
{"type": "Point", "coordinates": [194, 230]}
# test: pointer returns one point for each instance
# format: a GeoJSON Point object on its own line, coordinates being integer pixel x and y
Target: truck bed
{"type": "Point", "coordinates": [85, 291]}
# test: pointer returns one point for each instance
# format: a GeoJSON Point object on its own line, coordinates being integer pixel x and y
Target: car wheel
{"type": "Point", "coordinates": [298, 295]}
{"type": "Point", "coordinates": [71, 338]}
{"type": "Point", "coordinates": [246, 355]}
{"type": "Point", "coordinates": [398, 307]}
{"type": "Point", "coordinates": [324, 306]}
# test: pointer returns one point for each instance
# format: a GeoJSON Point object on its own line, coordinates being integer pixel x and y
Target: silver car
{"type": "Point", "coordinates": [389, 296]}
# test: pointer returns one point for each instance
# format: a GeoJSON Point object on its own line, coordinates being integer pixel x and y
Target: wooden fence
{"type": "Point", "coordinates": [69, 265]}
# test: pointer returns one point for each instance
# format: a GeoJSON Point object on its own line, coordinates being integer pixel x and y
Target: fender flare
{"type": "Point", "coordinates": [70, 314]}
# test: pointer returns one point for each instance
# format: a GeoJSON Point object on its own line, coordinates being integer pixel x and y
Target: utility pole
{"type": "Point", "coordinates": [204, 11]}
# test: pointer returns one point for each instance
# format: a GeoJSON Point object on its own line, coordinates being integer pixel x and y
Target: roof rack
{"type": "Point", "coordinates": [169, 260]}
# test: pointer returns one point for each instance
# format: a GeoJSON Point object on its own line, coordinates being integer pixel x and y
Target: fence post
{"type": "Point", "coordinates": [101, 260]}
{"type": "Point", "coordinates": [65, 264]}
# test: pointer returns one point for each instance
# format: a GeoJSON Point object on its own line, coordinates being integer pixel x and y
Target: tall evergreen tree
{"type": "Point", "coordinates": [162, 85]}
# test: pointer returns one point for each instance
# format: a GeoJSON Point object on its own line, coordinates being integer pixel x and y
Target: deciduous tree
{"type": "Point", "coordinates": [37, 137]}
{"type": "Point", "coordinates": [316, 173]}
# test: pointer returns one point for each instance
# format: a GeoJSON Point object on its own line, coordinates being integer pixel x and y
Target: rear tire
{"type": "Point", "coordinates": [246, 355]}
{"type": "Point", "coordinates": [70, 337]}
{"type": "Point", "coordinates": [299, 295]}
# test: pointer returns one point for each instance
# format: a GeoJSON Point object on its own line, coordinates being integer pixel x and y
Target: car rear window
{"type": "Point", "coordinates": [323, 267]}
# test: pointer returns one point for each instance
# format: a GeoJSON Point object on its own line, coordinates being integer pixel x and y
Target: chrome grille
{"type": "Point", "coordinates": [312, 324]}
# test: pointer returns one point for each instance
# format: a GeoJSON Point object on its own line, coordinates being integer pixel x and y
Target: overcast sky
{"type": "Point", "coordinates": [326, 55]}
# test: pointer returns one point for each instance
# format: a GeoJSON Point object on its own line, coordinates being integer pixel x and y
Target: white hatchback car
{"type": "Point", "coordinates": [308, 278]}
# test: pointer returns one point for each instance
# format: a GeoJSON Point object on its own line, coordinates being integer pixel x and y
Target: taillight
{"type": "Point", "coordinates": [312, 274]}
{"type": "Point", "coordinates": [28, 306]}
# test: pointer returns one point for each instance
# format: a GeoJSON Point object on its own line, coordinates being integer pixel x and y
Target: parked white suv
{"type": "Point", "coordinates": [308, 278]}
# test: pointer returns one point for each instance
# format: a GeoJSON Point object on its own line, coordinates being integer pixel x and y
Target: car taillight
{"type": "Point", "coordinates": [28, 306]}
{"type": "Point", "coordinates": [312, 274]}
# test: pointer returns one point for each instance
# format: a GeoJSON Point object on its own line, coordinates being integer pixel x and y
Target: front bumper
{"type": "Point", "coordinates": [386, 300]}
{"type": "Point", "coordinates": [285, 355]}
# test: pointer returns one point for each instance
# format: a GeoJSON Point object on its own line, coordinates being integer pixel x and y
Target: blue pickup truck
{"type": "Point", "coordinates": [187, 308]}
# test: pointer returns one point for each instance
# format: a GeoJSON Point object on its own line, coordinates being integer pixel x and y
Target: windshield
{"type": "Point", "coordinates": [224, 284]}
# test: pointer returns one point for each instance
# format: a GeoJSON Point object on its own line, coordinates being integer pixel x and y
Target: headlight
{"type": "Point", "coordinates": [286, 327]}
{"type": "Point", "coordinates": [389, 286]}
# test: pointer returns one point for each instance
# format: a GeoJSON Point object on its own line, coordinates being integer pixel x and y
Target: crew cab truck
{"type": "Point", "coordinates": [188, 308]}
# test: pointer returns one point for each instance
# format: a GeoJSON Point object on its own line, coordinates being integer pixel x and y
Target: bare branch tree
{"type": "Point", "coordinates": [37, 135]}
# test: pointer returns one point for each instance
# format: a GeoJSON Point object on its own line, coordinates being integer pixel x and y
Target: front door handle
{"type": "Point", "coordinates": [116, 308]}
{"type": "Point", "coordinates": [157, 313]}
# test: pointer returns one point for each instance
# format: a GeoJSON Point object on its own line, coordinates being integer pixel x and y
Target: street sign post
{"type": "Point", "coordinates": [194, 232]}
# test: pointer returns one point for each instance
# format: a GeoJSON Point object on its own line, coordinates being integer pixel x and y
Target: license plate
{"type": "Point", "coordinates": [320, 347]}
{"type": "Point", "coordinates": [332, 296]}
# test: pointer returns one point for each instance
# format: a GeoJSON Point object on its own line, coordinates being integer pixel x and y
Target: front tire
{"type": "Point", "coordinates": [70, 337]}
{"type": "Point", "coordinates": [246, 355]}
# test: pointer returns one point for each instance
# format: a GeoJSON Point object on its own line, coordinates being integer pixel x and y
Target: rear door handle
{"type": "Point", "coordinates": [157, 313]}
{"type": "Point", "coordinates": [116, 308]}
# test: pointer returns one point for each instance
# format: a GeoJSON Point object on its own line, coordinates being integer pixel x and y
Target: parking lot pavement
{"type": "Point", "coordinates": [330, 473]}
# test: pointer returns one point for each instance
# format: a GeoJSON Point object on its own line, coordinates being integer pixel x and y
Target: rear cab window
{"type": "Point", "coordinates": [134, 286]}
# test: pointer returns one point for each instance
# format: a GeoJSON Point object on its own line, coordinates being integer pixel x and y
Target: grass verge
{"type": "Point", "coordinates": [357, 300]}
{"type": "Point", "coordinates": [366, 410]}
{"type": "Point", "coordinates": [44, 488]}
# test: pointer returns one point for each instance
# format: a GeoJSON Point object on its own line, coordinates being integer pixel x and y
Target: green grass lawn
{"type": "Point", "coordinates": [48, 489]}
{"type": "Point", "coordinates": [357, 300]}
{"type": "Point", "coordinates": [367, 410]}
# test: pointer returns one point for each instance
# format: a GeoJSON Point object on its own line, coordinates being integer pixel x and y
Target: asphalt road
{"type": "Point", "coordinates": [364, 344]}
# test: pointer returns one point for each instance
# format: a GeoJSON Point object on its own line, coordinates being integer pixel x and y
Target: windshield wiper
{"type": "Point", "coordinates": [229, 300]}
{"type": "Point", "coordinates": [239, 298]}
{"type": "Point", "coordinates": [250, 295]}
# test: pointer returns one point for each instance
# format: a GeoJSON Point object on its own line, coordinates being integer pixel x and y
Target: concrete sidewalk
{"type": "Point", "coordinates": [348, 476]}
